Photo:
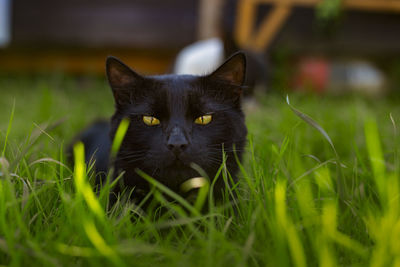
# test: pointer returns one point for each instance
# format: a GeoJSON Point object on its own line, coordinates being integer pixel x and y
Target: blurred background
{"type": "Point", "coordinates": [313, 45]}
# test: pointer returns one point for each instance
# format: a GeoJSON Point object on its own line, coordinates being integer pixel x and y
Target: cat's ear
{"type": "Point", "coordinates": [122, 79]}
{"type": "Point", "coordinates": [232, 71]}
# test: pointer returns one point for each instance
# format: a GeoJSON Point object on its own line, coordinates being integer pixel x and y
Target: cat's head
{"type": "Point", "coordinates": [177, 120]}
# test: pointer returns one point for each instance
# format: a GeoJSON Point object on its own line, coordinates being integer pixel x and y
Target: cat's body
{"type": "Point", "coordinates": [175, 121]}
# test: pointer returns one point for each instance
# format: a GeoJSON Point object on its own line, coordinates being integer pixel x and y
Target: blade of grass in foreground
{"type": "Point", "coordinates": [288, 228]}
{"type": "Point", "coordinates": [111, 179]}
{"type": "Point", "coordinates": [119, 137]}
{"type": "Point", "coordinates": [314, 124]}
{"type": "Point", "coordinates": [311, 122]}
{"type": "Point", "coordinates": [383, 222]}
{"type": "Point", "coordinates": [169, 192]}
{"type": "Point", "coordinates": [8, 129]}
{"type": "Point", "coordinates": [375, 155]}
{"type": "Point", "coordinates": [100, 244]}
{"type": "Point", "coordinates": [82, 187]}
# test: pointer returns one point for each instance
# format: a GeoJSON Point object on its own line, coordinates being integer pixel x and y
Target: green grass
{"type": "Point", "coordinates": [299, 202]}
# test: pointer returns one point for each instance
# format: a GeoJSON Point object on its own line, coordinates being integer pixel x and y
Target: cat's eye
{"type": "Point", "coordinates": [150, 120]}
{"type": "Point", "coordinates": [203, 120]}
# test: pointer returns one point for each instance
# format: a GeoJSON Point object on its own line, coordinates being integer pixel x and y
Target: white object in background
{"type": "Point", "coordinates": [200, 58]}
{"type": "Point", "coordinates": [365, 76]}
{"type": "Point", "coordinates": [5, 14]}
{"type": "Point", "coordinates": [358, 76]}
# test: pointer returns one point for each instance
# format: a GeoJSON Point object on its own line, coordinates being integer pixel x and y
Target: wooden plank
{"type": "Point", "coordinates": [246, 14]}
{"type": "Point", "coordinates": [80, 62]}
{"type": "Point", "coordinates": [270, 26]}
{"type": "Point", "coordinates": [371, 5]}
{"type": "Point", "coordinates": [383, 5]}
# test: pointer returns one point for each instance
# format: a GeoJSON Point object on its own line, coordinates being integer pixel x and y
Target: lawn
{"type": "Point", "coordinates": [321, 190]}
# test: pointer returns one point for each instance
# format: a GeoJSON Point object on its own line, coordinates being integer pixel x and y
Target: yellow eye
{"type": "Point", "coordinates": [203, 120]}
{"type": "Point", "coordinates": [150, 120]}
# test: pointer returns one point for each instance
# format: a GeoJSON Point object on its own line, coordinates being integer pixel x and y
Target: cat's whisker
{"type": "Point", "coordinates": [211, 145]}
{"type": "Point", "coordinates": [133, 156]}
{"type": "Point", "coordinates": [127, 153]}
{"type": "Point", "coordinates": [130, 157]}
{"type": "Point", "coordinates": [214, 159]}
{"type": "Point", "coordinates": [230, 144]}
{"type": "Point", "coordinates": [130, 161]}
{"type": "Point", "coordinates": [154, 172]}
{"type": "Point", "coordinates": [134, 160]}
{"type": "Point", "coordinates": [226, 151]}
{"type": "Point", "coordinates": [124, 153]}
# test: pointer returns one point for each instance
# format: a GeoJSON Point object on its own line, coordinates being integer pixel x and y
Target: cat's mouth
{"type": "Point", "coordinates": [178, 161]}
{"type": "Point", "coordinates": [178, 164]}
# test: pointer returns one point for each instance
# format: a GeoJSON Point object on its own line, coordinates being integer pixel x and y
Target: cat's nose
{"type": "Point", "coordinates": [177, 142]}
{"type": "Point", "coordinates": [177, 148]}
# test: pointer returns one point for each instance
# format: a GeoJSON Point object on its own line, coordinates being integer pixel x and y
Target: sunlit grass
{"type": "Point", "coordinates": [319, 186]}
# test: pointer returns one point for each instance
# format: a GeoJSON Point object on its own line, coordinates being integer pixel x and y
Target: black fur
{"type": "Point", "coordinates": [166, 151]}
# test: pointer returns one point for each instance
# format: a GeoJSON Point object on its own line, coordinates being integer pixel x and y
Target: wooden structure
{"type": "Point", "coordinates": [259, 39]}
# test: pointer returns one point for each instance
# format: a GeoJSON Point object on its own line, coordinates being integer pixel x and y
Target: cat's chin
{"type": "Point", "coordinates": [180, 169]}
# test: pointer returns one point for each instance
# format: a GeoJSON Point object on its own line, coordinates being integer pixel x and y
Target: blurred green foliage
{"type": "Point", "coordinates": [328, 10]}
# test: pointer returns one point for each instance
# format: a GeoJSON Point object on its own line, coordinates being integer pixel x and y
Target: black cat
{"type": "Point", "coordinates": [175, 120]}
